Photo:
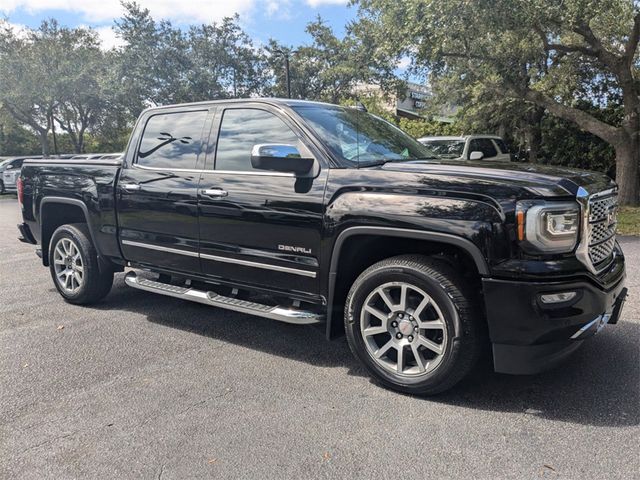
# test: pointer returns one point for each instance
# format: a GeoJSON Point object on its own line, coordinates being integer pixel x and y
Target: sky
{"type": "Point", "coordinates": [284, 20]}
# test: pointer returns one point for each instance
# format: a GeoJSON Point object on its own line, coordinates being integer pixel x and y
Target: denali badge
{"type": "Point", "coordinates": [289, 248]}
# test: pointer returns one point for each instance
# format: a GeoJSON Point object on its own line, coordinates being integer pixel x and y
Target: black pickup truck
{"type": "Point", "coordinates": [312, 213]}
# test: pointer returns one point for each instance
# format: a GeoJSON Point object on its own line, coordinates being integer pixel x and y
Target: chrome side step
{"type": "Point", "coordinates": [283, 314]}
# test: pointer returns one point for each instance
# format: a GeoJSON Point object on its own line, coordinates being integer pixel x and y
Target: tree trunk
{"type": "Point", "coordinates": [44, 142]}
{"type": "Point", "coordinates": [628, 171]}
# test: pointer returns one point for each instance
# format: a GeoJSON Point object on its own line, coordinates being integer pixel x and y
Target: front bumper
{"type": "Point", "coordinates": [529, 336]}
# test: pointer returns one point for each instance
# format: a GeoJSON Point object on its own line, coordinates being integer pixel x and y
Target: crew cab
{"type": "Point", "coordinates": [310, 213]}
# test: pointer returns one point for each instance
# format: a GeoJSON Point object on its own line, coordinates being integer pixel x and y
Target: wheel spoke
{"type": "Point", "coordinates": [431, 324]}
{"type": "Point", "coordinates": [401, 358]}
{"type": "Point", "coordinates": [423, 304]}
{"type": "Point", "coordinates": [418, 356]}
{"type": "Point", "coordinates": [403, 297]}
{"type": "Point", "coordinates": [60, 253]}
{"type": "Point", "coordinates": [383, 349]}
{"type": "Point", "coordinates": [374, 330]}
{"type": "Point", "coordinates": [79, 268]}
{"type": "Point", "coordinates": [376, 313]}
{"type": "Point", "coordinates": [58, 261]}
{"type": "Point", "coordinates": [431, 345]}
{"type": "Point", "coordinates": [61, 273]}
{"type": "Point", "coordinates": [386, 299]}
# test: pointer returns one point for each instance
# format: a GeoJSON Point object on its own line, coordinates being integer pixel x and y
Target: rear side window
{"type": "Point", "coordinates": [241, 129]}
{"type": "Point", "coordinates": [172, 140]}
{"type": "Point", "coordinates": [483, 145]}
{"type": "Point", "coordinates": [501, 145]}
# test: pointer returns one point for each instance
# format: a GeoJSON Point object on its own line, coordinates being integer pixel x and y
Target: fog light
{"type": "Point", "coordinates": [558, 297]}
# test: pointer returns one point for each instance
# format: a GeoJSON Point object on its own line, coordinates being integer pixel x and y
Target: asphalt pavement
{"type": "Point", "coordinates": [145, 386]}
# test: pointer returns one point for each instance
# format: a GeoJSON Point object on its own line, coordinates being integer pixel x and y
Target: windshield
{"type": "Point", "coordinates": [358, 138]}
{"type": "Point", "coordinates": [447, 148]}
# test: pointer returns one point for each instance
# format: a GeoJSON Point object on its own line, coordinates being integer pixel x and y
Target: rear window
{"type": "Point", "coordinates": [172, 140]}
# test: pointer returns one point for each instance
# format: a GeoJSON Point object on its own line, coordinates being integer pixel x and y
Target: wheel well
{"type": "Point", "coordinates": [359, 252]}
{"type": "Point", "coordinates": [53, 215]}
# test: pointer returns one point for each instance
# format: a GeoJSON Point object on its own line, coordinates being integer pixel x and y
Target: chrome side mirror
{"type": "Point", "coordinates": [475, 155]}
{"type": "Point", "coordinates": [280, 158]}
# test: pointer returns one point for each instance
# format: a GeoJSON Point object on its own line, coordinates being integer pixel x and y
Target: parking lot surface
{"type": "Point", "coordinates": [144, 386]}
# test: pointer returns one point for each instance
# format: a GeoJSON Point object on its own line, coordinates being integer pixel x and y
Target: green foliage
{"type": "Point", "coordinates": [507, 62]}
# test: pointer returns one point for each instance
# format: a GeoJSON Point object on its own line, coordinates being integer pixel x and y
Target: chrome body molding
{"type": "Point", "coordinates": [216, 258]}
{"type": "Point", "coordinates": [266, 266]}
{"type": "Point", "coordinates": [159, 248]}
{"type": "Point", "coordinates": [283, 314]}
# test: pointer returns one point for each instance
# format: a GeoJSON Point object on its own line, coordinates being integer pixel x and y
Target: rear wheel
{"type": "Point", "coordinates": [410, 320]}
{"type": "Point", "coordinates": [73, 262]}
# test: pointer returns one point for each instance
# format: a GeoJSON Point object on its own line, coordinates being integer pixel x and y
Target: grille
{"type": "Point", "coordinates": [602, 228]}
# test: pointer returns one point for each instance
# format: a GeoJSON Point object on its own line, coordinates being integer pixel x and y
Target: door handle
{"type": "Point", "coordinates": [214, 192]}
{"type": "Point", "coordinates": [131, 187]}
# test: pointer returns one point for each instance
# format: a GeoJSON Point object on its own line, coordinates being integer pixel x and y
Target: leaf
{"type": "Point", "coordinates": [60, 327]}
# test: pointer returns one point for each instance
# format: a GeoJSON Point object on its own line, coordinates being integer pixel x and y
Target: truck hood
{"type": "Point", "coordinates": [545, 180]}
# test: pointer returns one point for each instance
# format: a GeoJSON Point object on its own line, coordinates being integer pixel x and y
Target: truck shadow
{"type": "Point", "coordinates": [599, 385]}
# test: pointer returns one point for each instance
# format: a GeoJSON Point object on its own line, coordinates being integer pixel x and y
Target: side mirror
{"type": "Point", "coordinates": [475, 155]}
{"type": "Point", "coordinates": [280, 158]}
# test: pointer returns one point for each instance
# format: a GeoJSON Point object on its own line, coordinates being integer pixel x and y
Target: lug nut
{"type": "Point", "coordinates": [401, 315]}
{"type": "Point", "coordinates": [410, 338]}
{"type": "Point", "coordinates": [398, 335]}
{"type": "Point", "coordinates": [410, 318]}
{"type": "Point", "coordinates": [394, 324]}
{"type": "Point", "coordinates": [415, 329]}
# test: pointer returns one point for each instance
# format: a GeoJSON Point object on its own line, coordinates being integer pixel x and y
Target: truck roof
{"type": "Point", "coordinates": [290, 102]}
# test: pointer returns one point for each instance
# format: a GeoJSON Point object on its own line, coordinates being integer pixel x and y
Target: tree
{"type": "Point", "coordinates": [329, 67]}
{"type": "Point", "coordinates": [550, 53]}
{"type": "Point", "coordinates": [33, 56]}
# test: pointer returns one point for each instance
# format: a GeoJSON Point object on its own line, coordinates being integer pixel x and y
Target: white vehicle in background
{"type": "Point", "coordinates": [469, 147]}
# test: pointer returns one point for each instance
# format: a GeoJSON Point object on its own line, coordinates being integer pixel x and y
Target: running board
{"type": "Point", "coordinates": [283, 314]}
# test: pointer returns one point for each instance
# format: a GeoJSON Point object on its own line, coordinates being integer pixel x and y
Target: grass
{"type": "Point", "coordinates": [629, 221]}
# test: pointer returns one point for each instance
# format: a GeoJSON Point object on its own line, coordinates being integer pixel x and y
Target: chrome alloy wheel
{"type": "Point", "coordinates": [403, 329]}
{"type": "Point", "coordinates": [68, 265]}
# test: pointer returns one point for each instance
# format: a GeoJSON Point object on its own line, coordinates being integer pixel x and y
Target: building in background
{"type": "Point", "coordinates": [416, 102]}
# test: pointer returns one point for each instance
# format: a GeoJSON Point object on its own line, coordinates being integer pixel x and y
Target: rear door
{"type": "Point", "coordinates": [156, 196]}
{"type": "Point", "coordinates": [260, 227]}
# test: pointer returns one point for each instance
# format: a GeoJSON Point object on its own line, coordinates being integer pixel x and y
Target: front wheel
{"type": "Point", "coordinates": [73, 262]}
{"type": "Point", "coordinates": [411, 321]}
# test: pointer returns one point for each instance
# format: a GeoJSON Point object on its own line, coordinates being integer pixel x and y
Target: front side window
{"type": "Point", "coordinates": [241, 129]}
{"type": "Point", "coordinates": [357, 138]}
{"type": "Point", "coordinates": [483, 145]}
{"type": "Point", "coordinates": [172, 140]}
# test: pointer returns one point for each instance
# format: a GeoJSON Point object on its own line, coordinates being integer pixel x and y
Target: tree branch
{"type": "Point", "coordinates": [613, 61]}
{"type": "Point", "coordinates": [608, 133]}
{"type": "Point", "coordinates": [634, 38]}
{"type": "Point", "coordinates": [563, 48]}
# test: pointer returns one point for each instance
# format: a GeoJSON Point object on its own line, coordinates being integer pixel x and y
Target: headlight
{"type": "Point", "coordinates": [548, 227]}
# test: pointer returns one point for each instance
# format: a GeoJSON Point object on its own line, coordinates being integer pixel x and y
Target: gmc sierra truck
{"type": "Point", "coordinates": [312, 213]}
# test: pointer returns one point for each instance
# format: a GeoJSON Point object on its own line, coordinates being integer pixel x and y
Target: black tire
{"type": "Point", "coordinates": [2, 190]}
{"type": "Point", "coordinates": [458, 315]}
{"type": "Point", "coordinates": [96, 282]}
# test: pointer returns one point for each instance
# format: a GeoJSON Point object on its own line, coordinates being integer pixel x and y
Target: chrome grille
{"type": "Point", "coordinates": [602, 228]}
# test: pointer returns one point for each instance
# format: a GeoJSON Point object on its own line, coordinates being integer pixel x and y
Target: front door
{"type": "Point", "coordinates": [157, 201]}
{"type": "Point", "coordinates": [259, 227]}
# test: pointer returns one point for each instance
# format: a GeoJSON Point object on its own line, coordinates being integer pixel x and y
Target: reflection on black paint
{"type": "Point", "coordinates": [172, 140]}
